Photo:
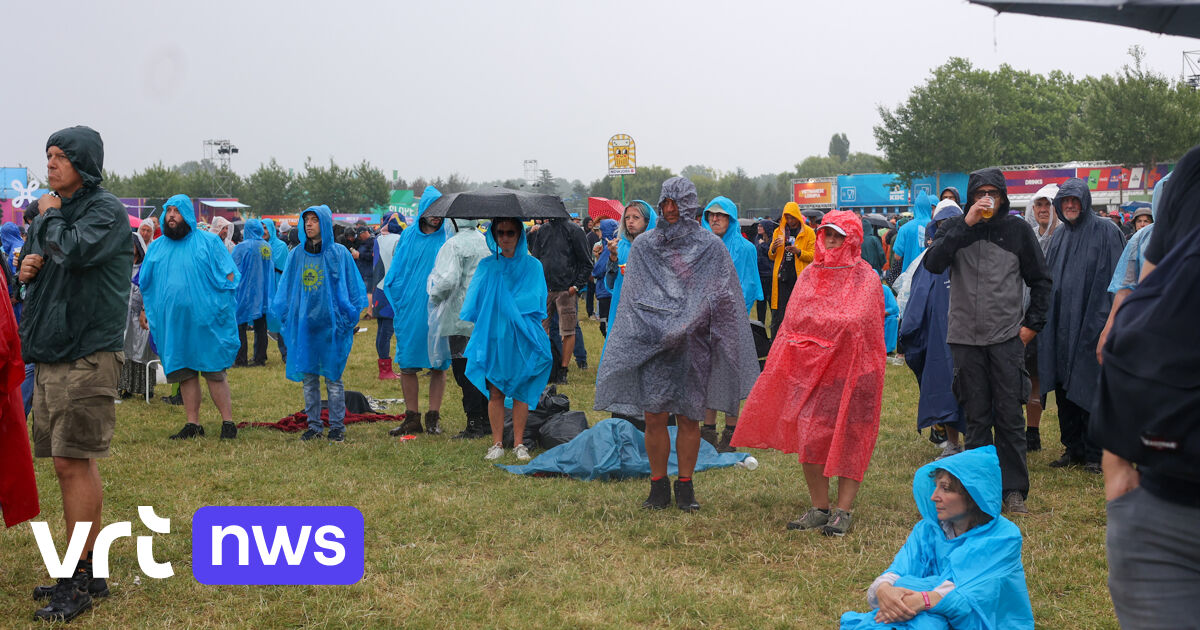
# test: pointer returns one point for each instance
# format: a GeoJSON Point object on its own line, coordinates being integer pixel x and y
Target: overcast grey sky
{"type": "Point", "coordinates": [433, 88]}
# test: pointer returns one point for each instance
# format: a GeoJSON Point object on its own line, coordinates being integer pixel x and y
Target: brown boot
{"type": "Point", "coordinates": [410, 426]}
{"type": "Point", "coordinates": [708, 433]}
{"type": "Point", "coordinates": [726, 435]}
{"type": "Point", "coordinates": [431, 423]}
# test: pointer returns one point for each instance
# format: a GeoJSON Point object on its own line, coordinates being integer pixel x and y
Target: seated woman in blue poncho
{"type": "Point", "coordinates": [509, 352]}
{"type": "Point", "coordinates": [961, 566]}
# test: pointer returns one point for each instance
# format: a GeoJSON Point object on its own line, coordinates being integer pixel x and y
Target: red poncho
{"type": "Point", "coordinates": [822, 388]}
{"type": "Point", "coordinates": [18, 489]}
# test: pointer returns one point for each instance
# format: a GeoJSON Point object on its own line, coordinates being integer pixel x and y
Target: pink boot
{"type": "Point", "coordinates": [385, 370]}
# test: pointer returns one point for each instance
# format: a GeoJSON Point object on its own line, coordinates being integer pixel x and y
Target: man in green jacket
{"type": "Point", "coordinates": [73, 329]}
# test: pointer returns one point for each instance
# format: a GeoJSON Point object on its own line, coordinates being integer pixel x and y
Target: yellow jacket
{"type": "Point", "coordinates": [806, 242]}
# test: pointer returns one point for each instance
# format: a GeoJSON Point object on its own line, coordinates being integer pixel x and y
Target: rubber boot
{"type": "Point", "coordinates": [410, 426]}
{"type": "Point", "coordinates": [432, 422]}
{"type": "Point", "coordinates": [1033, 439]}
{"type": "Point", "coordinates": [685, 496]}
{"type": "Point", "coordinates": [476, 428]}
{"type": "Point", "coordinates": [385, 370]}
{"type": "Point", "coordinates": [708, 433]}
{"type": "Point", "coordinates": [660, 495]}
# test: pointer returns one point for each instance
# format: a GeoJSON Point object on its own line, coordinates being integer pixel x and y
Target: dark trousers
{"type": "Point", "coordinates": [474, 401]}
{"type": "Point", "coordinates": [1153, 561]}
{"type": "Point", "coordinates": [383, 337]}
{"type": "Point", "coordinates": [603, 305]}
{"type": "Point", "coordinates": [556, 342]}
{"type": "Point", "coordinates": [1072, 424]}
{"type": "Point", "coordinates": [990, 384]}
{"type": "Point", "coordinates": [590, 302]}
{"type": "Point", "coordinates": [777, 314]}
{"type": "Point", "coordinates": [260, 341]}
{"type": "Point", "coordinates": [762, 304]}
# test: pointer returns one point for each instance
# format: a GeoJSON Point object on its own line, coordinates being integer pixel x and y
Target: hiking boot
{"type": "Point", "coordinates": [228, 430]}
{"type": "Point", "coordinates": [476, 428]}
{"type": "Point", "coordinates": [726, 435]}
{"type": "Point", "coordinates": [177, 399]}
{"type": "Point", "coordinates": [1094, 468]}
{"type": "Point", "coordinates": [561, 377]}
{"type": "Point", "coordinates": [660, 495]}
{"type": "Point", "coordinates": [1066, 460]}
{"type": "Point", "coordinates": [839, 523]}
{"type": "Point", "coordinates": [521, 452]}
{"type": "Point", "coordinates": [937, 434]}
{"type": "Point", "coordinates": [432, 425]}
{"type": "Point", "coordinates": [685, 496]}
{"type": "Point", "coordinates": [494, 452]}
{"type": "Point", "coordinates": [1033, 439]}
{"type": "Point", "coordinates": [189, 431]}
{"type": "Point", "coordinates": [811, 519]}
{"type": "Point", "coordinates": [1014, 503]}
{"type": "Point", "coordinates": [310, 434]}
{"type": "Point", "coordinates": [410, 426]}
{"type": "Point", "coordinates": [581, 364]}
{"type": "Point", "coordinates": [949, 450]}
{"type": "Point", "coordinates": [385, 370]}
{"type": "Point", "coordinates": [97, 588]}
{"type": "Point", "coordinates": [708, 433]}
{"type": "Point", "coordinates": [69, 598]}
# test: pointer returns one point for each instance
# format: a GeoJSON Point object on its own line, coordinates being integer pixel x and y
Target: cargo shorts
{"type": "Point", "coordinates": [73, 411]}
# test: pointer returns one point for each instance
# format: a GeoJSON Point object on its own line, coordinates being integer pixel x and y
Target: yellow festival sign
{"type": "Point", "coordinates": [622, 155]}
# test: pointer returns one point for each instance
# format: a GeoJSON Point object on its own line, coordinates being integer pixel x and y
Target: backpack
{"type": "Point", "coordinates": [1148, 403]}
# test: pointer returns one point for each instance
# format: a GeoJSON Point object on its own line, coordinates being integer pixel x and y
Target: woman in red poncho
{"type": "Point", "coordinates": [820, 393]}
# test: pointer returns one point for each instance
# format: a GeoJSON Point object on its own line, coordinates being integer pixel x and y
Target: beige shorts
{"type": "Point", "coordinates": [567, 306]}
{"type": "Point", "coordinates": [73, 410]}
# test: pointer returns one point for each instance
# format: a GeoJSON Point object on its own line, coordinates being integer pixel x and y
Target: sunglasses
{"type": "Point", "coordinates": [506, 233]}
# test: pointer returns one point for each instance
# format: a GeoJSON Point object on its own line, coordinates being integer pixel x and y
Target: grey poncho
{"type": "Point", "coordinates": [681, 342]}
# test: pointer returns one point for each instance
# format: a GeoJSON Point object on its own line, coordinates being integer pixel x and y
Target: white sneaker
{"type": "Point", "coordinates": [521, 452]}
{"type": "Point", "coordinates": [949, 450]}
{"type": "Point", "coordinates": [496, 451]}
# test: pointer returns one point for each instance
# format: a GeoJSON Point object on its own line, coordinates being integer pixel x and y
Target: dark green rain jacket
{"type": "Point", "coordinates": [77, 304]}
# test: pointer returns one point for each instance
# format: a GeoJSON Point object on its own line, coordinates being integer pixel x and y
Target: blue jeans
{"type": "Point", "coordinates": [312, 402]}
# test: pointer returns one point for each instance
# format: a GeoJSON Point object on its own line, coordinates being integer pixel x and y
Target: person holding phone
{"type": "Point", "coordinates": [793, 245]}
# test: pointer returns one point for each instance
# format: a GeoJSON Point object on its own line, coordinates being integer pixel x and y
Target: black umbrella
{"type": "Point", "coordinates": [877, 221]}
{"type": "Point", "coordinates": [813, 215]}
{"type": "Point", "coordinates": [495, 202]}
{"type": "Point", "coordinates": [1169, 17]}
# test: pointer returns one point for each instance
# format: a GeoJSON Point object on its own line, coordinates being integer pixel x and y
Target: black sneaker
{"type": "Point", "coordinates": [581, 365]}
{"type": "Point", "coordinates": [177, 399]}
{"type": "Point", "coordinates": [561, 377]}
{"type": "Point", "coordinates": [310, 434]}
{"type": "Point", "coordinates": [68, 600]}
{"type": "Point", "coordinates": [476, 428]}
{"type": "Point", "coordinates": [337, 435]}
{"type": "Point", "coordinates": [97, 588]}
{"type": "Point", "coordinates": [685, 496]}
{"type": "Point", "coordinates": [660, 495]}
{"type": "Point", "coordinates": [188, 432]}
{"type": "Point", "coordinates": [708, 433]}
{"type": "Point", "coordinates": [937, 434]}
{"type": "Point", "coordinates": [228, 430]}
{"type": "Point", "coordinates": [1094, 468]}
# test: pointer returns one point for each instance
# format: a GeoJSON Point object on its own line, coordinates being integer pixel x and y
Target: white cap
{"type": "Point", "coordinates": [833, 226]}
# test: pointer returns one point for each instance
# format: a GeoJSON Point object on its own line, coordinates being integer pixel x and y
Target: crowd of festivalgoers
{"type": "Point", "coordinates": [992, 307]}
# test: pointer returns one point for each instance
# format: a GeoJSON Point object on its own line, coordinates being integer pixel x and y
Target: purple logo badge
{"type": "Point", "coordinates": [277, 545]}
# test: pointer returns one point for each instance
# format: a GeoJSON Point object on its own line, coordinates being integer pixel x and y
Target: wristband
{"type": "Point", "coordinates": [925, 596]}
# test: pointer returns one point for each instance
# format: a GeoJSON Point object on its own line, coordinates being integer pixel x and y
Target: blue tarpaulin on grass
{"type": "Point", "coordinates": [615, 449]}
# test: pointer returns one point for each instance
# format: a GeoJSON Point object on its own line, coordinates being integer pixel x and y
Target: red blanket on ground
{"type": "Point", "coordinates": [18, 489]}
{"type": "Point", "coordinates": [299, 421]}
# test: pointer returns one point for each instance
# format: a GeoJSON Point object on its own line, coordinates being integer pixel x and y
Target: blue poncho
{"type": "Point", "coordinates": [10, 243]}
{"type": "Point", "coordinates": [623, 246]}
{"type": "Point", "coordinates": [253, 259]}
{"type": "Point", "coordinates": [984, 563]}
{"type": "Point", "coordinates": [608, 232]}
{"type": "Point", "coordinates": [406, 288]}
{"type": "Point", "coordinates": [910, 238]}
{"type": "Point", "coordinates": [891, 321]}
{"type": "Point", "coordinates": [507, 303]}
{"type": "Point", "coordinates": [279, 254]}
{"type": "Point", "coordinates": [189, 297]}
{"type": "Point", "coordinates": [742, 251]}
{"type": "Point", "coordinates": [923, 331]}
{"type": "Point", "coordinates": [318, 302]}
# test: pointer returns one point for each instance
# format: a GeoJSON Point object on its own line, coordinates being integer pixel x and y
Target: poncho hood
{"type": "Point", "coordinates": [1047, 192]}
{"type": "Point", "coordinates": [989, 177]}
{"type": "Point", "coordinates": [683, 192]}
{"type": "Point", "coordinates": [279, 249]}
{"type": "Point", "coordinates": [791, 209]}
{"type": "Point", "coordinates": [923, 208]}
{"type": "Point", "coordinates": [252, 230]}
{"type": "Point", "coordinates": [850, 251]}
{"type": "Point", "coordinates": [723, 205]}
{"type": "Point", "coordinates": [84, 148]}
{"type": "Point", "coordinates": [608, 229]}
{"type": "Point", "coordinates": [1078, 189]}
{"type": "Point", "coordinates": [253, 259]}
{"type": "Point", "coordinates": [1157, 195]}
{"type": "Point", "coordinates": [648, 213]}
{"type": "Point", "coordinates": [10, 238]}
{"type": "Point", "coordinates": [954, 191]}
{"type": "Point", "coordinates": [183, 204]}
{"type": "Point", "coordinates": [522, 247]}
{"type": "Point", "coordinates": [428, 196]}
{"type": "Point", "coordinates": [979, 471]}
{"type": "Point", "coordinates": [325, 219]}
{"type": "Point", "coordinates": [742, 251]}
